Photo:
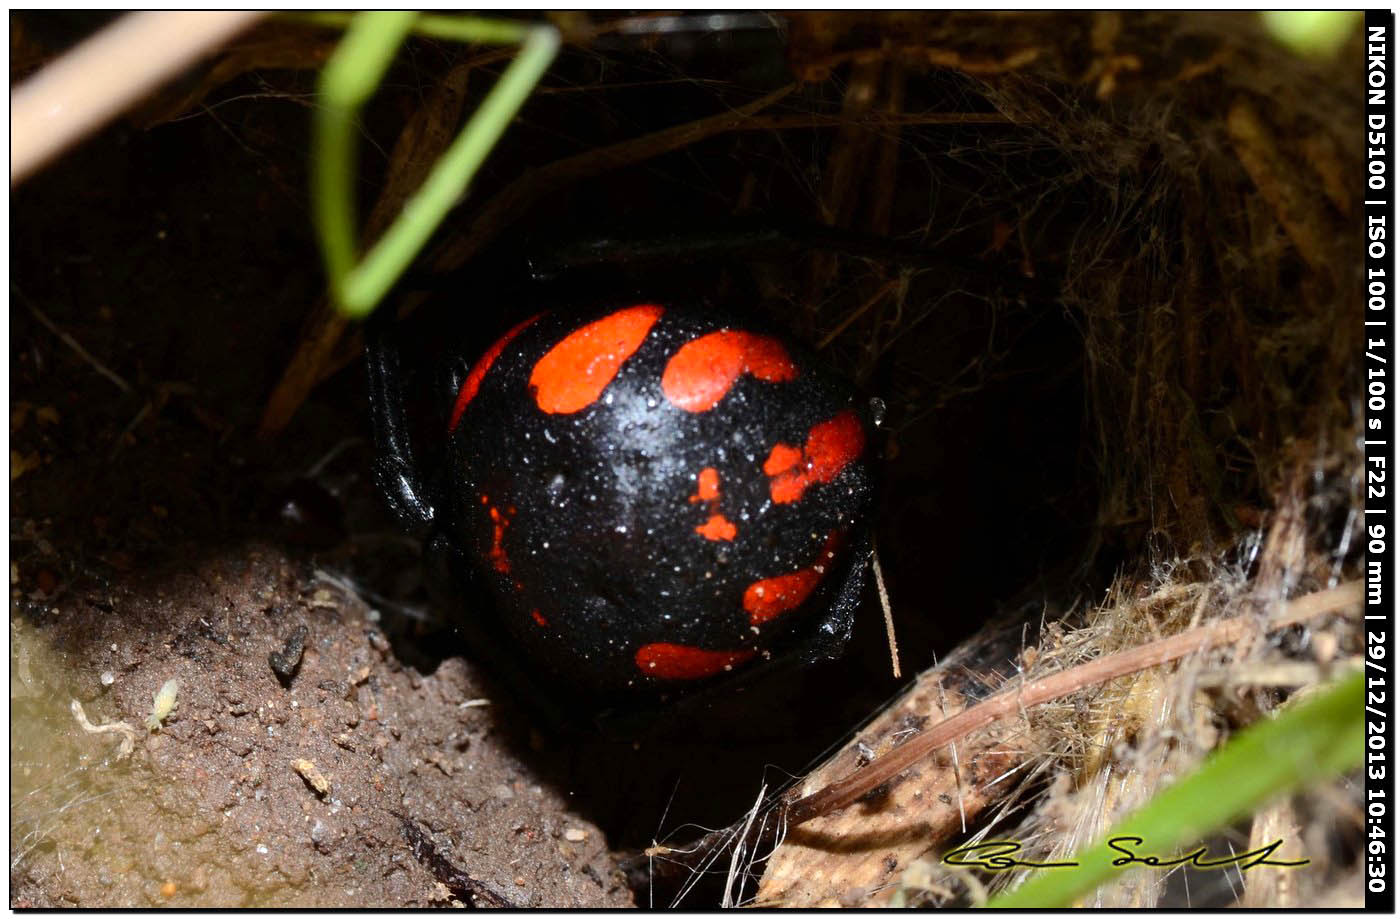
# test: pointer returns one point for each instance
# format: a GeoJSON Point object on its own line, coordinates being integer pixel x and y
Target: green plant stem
{"type": "Point", "coordinates": [445, 185]}
{"type": "Point", "coordinates": [452, 28]}
{"type": "Point", "coordinates": [1319, 737]}
{"type": "Point", "coordinates": [349, 78]}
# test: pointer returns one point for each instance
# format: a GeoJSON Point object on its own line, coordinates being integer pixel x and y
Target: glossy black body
{"type": "Point", "coordinates": [594, 517]}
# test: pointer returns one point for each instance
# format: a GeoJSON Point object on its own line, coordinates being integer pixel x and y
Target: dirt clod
{"type": "Point", "coordinates": [285, 662]}
{"type": "Point", "coordinates": [308, 771]}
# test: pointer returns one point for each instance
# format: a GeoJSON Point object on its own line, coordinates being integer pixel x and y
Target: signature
{"type": "Point", "coordinates": [994, 856]}
{"type": "Point", "coordinates": [1198, 858]}
{"type": "Point", "coordinates": [997, 855]}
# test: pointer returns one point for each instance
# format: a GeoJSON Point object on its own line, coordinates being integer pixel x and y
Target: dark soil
{"type": "Point", "coordinates": [152, 538]}
{"type": "Point", "coordinates": [211, 812]}
{"type": "Point", "coordinates": [148, 542]}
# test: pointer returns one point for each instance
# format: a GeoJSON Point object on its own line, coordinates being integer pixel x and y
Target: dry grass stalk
{"type": "Point", "coordinates": [104, 76]}
{"type": "Point", "coordinates": [917, 810]}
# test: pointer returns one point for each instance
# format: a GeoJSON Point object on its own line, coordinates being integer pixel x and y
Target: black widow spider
{"type": "Point", "coordinates": [634, 496]}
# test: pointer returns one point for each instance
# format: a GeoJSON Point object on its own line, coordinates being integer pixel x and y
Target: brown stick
{"type": "Point", "coordinates": [100, 78]}
{"type": "Point", "coordinates": [73, 343]}
{"type": "Point", "coordinates": [847, 791]}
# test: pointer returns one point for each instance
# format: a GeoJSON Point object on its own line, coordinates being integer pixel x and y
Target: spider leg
{"type": "Point", "coordinates": [395, 467]}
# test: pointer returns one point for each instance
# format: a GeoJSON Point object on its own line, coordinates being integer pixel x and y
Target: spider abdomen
{"type": "Point", "coordinates": [657, 495]}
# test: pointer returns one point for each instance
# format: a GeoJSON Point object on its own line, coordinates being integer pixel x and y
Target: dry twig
{"type": "Point", "coordinates": [78, 349]}
{"type": "Point", "coordinates": [105, 75]}
{"type": "Point", "coordinates": [847, 791]}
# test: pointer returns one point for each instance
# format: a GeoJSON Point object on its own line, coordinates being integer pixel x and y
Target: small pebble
{"type": "Point", "coordinates": [167, 889]}
{"type": "Point", "coordinates": [574, 834]}
{"type": "Point", "coordinates": [308, 771]}
{"type": "Point", "coordinates": [285, 663]}
{"type": "Point", "coordinates": [107, 678]}
{"type": "Point", "coordinates": [261, 849]}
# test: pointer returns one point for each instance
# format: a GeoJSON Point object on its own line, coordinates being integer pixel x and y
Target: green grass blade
{"type": "Point", "coordinates": [451, 28]}
{"type": "Point", "coordinates": [1319, 737]}
{"type": "Point", "coordinates": [349, 78]}
{"type": "Point", "coordinates": [446, 184]}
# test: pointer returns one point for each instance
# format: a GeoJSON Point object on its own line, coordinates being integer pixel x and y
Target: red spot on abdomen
{"type": "Point", "coordinates": [573, 374]}
{"type": "Point", "coordinates": [707, 490]}
{"type": "Point", "coordinates": [499, 522]}
{"type": "Point", "coordinates": [666, 661]}
{"type": "Point", "coordinates": [763, 600]}
{"type": "Point", "coordinates": [706, 485]}
{"type": "Point", "coordinates": [472, 383]}
{"type": "Point", "coordinates": [831, 446]}
{"type": "Point", "coordinates": [703, 370]}
{"type": "Point", "coordinates": [717, 528]}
